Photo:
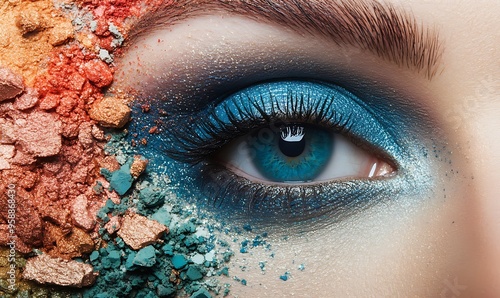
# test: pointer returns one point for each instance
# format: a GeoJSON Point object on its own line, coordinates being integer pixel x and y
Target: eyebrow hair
{"type": "Point", "coordinates": [390, 33]}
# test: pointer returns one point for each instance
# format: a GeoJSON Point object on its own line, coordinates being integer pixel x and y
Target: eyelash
{"type": "Point", "coordinates": [194, 148]}
{"type": "Point", "coordinates": [194, 138]}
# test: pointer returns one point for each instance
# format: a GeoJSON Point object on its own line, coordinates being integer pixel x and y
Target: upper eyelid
{"type": "Point", "coordinates": [388, 32]}
{"type": "Point", "coordinates": [324, 116]}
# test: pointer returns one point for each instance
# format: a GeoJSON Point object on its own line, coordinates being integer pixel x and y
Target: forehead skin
{"type": "Point", "coordinates": [444, 242]}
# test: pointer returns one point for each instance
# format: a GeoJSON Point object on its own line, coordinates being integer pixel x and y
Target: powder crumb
{"type": "Point", "coordinates": [98, 72]}
{"type": "Point", "coordinates": [7, 132]}
{"type": "Point", "coordinates": [110, 112]}
{"type": "Point", "coordinates": [39, 134]}
{"type": "Point", "coordinates": [29, 21]}
{"type": "Point", "coordinates": [27, 100]}
{"type": "Point", "coordinates": [110, 163]}
{"type": "Point", "coordinates": [138, 231]}
{"type": "Point", "coordinates": [85, 135]}
{"type": "Point", "coordinates": [80, 214]}
{"type": "Point", "coordinates": [47, 270]}
{"type": "Point", "coordinates": [11, 84]}
{"type": "Point", "coordinates": [49, 102]}
{"type": "Point", "coordinates": [70, 242]}
{"type": "Point", "coordinates": [138, 166]}
{"type": "Point", "coordinates": [6, 153]}
{"type": "Point", "coordinates": [113, 224]}
{"type": "Point", "coordinates": [98, 133]}
{"type": "Point", "coordinates": [61, 33]}
{"type": "Point", "coordinates": [88, 40]}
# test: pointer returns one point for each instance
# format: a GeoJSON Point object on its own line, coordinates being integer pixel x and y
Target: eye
{"type": "Point", "coordinates": [285, 149]}
{"type": "Point", "coordinates": [299, 153]}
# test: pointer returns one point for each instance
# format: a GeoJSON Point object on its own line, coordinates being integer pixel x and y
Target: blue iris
{"type": "Point", "coordinates": [295, 153]}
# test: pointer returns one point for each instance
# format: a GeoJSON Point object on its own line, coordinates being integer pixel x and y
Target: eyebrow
{"type": "Point", "coordinates": [386, 31]}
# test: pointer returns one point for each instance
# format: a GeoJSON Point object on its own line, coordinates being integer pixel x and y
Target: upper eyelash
{"type": "Point", "coordinates": [193, 147]}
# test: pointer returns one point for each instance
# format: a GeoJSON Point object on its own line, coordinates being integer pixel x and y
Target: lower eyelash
{"type": "Point", "coordinates": [242, 198]}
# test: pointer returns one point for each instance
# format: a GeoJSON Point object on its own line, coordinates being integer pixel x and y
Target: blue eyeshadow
{"type": "Point", "coordinates": [185, 142]}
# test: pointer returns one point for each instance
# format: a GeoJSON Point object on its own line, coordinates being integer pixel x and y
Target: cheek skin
{"type": "Point", "coordinates": [486, 194]}
{"type": "Point", "coordinates": [387, 249]}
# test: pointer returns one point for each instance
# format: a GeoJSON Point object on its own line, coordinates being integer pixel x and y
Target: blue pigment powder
{"type": "Point", "coordinates": [187, 261]}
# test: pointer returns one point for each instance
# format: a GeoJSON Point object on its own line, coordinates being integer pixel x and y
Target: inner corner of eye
{"type": "Point", "coordinates": [299, 154]}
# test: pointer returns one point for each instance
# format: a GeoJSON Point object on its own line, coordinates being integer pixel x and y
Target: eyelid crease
{"type": "Point", "coordinates": [383, 29]}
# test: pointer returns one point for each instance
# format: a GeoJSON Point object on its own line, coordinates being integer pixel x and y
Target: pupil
{"type": "Point", "coordinates": [292, 142]}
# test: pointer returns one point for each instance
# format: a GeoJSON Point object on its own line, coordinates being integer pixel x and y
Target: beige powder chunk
{"type": "Point", "coordinates": [48, 270]}
{"type": "Point", "coordinates": [98, 133]}
{"type": "Point", "coordinates": [110, 112]}
{"type": "Point", "coordinates": [39, 134]}
{"type": "Point", "coordinates": [27, 100]}
{"type": "Point", "coordinates": [138, 166]}
{"type": "Point", "coordinates": [80, 213]}
{"type": "Point", "coordinates": [6, 153]}
{"type": "Point", "coordinates": [61, 33]}
{"type": "Point", "coordinates": [11, 85]}
{"type": "Point", "coordinates": [113, 225]}
{"type": "Point", "coordinates": [138, 231]}
{"type": "Point", "coordinates": [29, 20]}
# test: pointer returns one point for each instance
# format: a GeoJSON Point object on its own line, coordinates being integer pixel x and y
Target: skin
{"type": "Point", "coordinates": [427, 247]}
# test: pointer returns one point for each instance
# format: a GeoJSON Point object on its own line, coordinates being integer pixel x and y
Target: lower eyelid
{"type": "Point", "coordinates": [237, 197]}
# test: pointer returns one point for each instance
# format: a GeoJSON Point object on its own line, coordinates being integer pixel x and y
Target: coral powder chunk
{"type": "Point", "coordinates": [47, 270]}
{"type": "Point", "coordinates": [98, 73]}
{"type": "Point", "coordinates": [11, 84]}
{"type": "Point", "coordinates": [138, 231]}
{"type": "Point", "coordinates": [110, 112]}
{"type": "Point", "coordinates": [39, 134]}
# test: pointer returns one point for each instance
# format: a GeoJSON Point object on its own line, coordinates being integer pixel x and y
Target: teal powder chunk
{"type": "Point", "coordinates": [163, 291]}
{"type": "Point", "coordinates": [193, 273]}
{"type": "Point", "coordinates": [151, 197]}
{"type": "Point", "coordinates": [201, 293]}
{"type": "Point", "coordinates": [285, 276]}
{"type": "Point", "coordinates": [94, 256]}
{"type": "Point", "coordinates": [145, 257]}
{"type": "Point", "coordinates": [98, 188]}
{"type": "Point", "coordinates": [160, 274]}
{"type": "Point", "coordinates": [227, 256]}
{"type": "Point", "coordinates": [168, 249]}
{"type": "Point", "coordinates": [190, 241]}
{"type": "Point", "coordinates": [121, 180]}
{"type": "Point", "coordinates": [106, 173]}
{"type": "Point", "coordinates": [114, 258]}
{"type": "Point", "coordinates": [244, 282]}
{"type": "Point", "coordinates": [179, 261]}
{"type": "Point", "coordinates": [188, 227]}
{"type": "Point", "coordinates": [129, 263]}
{"type": "Point", "coordinates": [162, 216]}
{"type": "Point", "coordinates": [224, 271]}
{"type": "Point", "coordinates": [150, 295]}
